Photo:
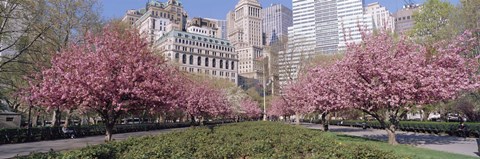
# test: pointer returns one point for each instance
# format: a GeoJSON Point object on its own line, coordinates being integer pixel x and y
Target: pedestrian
{"type": "Point", "coordinates": [462, 129]}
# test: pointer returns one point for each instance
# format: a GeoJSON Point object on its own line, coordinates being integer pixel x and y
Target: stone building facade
{"type": "Point", "coordinates": [157, 18]}
{"type": "Point", "coordinates": [200, 54]}
{"type": "Point", "coordinates": [245, 33]}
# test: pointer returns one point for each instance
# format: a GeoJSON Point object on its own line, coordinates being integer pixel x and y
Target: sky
{"type": "Point", "coordinates": [218, 8]}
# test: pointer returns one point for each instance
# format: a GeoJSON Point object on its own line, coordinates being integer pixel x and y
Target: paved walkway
{"type": "Point", "coordinates": [466, 146]}
{"type": "Point", "coordinates": [11, 150]}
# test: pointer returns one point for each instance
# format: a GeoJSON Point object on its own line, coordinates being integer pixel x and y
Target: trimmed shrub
{"type": "Point", "coordinates": [239, 140]}
{"type": "Point", "coordinates": [450, 128]}
{"type": "Point", "coordinates": [11, 136]}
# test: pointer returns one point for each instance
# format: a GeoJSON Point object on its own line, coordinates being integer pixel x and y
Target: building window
{"type": "Point", "coordinates": [226, 64]}
{"type": "Point", "coordinates": [184, 59]}
{"type": "Point", "coordinates": [221, 63]}
{"type": "Point", "coordinates": [9, 119]}
{"type": "Point", "coordinates": [191, 60]}
{"type": "Point", "coordinates": [199, 61]}
{"type": "Point", "coordinates": [177, 56]}
{"type": "Point", "coordinates": [206, 61]}
{"type": "Point", "coordinates": [214, 64]}
{"type": "Point", "coordinates": [233, 65]}
{"type": "Point", "coordinates": [153, 23]}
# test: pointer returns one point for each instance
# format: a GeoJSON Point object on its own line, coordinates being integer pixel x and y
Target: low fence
{"type": "Point", "coordinates": [449, 128]}
{"type": "Point", "coordinates": [10, 136]}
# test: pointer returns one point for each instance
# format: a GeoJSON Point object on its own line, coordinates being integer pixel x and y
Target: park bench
{"type": "Point", "coordinates": [362, 125]}
{"type": "Point", "coordinates": [68, 132]}
{"type": "Point", "coordinates": [462, 132]}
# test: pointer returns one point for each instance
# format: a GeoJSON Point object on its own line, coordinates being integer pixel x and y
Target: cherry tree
{"type": "Point", "coordinates": [387, 77]}
{"type": "Point", "coordinates": [325, 91]}
{"type": "Point", "coordinates": [203, 101]}
{"type": "Point", "coordinates": [250, 108]}
{"type": "Point", "coordinates": [279, 107]}
{"type": "Point", "coordinates": [297, 98]}
{"type": "Point", "coordinates": [111, 74]}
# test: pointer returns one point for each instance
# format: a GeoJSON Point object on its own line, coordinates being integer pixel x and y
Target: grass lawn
{"type": "Point", "coordinates": [404, 150]}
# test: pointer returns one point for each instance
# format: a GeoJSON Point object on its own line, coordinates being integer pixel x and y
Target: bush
{"type": "Point", "coordinates": [450, 128]}
{"type": "Point", "coordinates": [240, 140]}
{"type": "Point", "coordinates": [10, 136]}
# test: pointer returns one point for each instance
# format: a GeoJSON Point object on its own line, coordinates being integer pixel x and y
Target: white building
{"type": "Point", "coordinates": [352, 20]}
{"type": "Point", "coordinates": [275, 20]}
{"type": "Point", "coordinates": [196, 53]}
{"type": "Point", "coordinates": [222, 26]}
{"type": "Point", "coordinates": [404, 18]}
{"type": "Point", "coordinates": [204, 27]}
{"type": "Point", "coordinates": [157, 18]}
{"type": "Point", "coordinates": [382, 18]}
{"type": "Point", "coordinates": [321, 27]}
{"type": "Point", "coordinates": [245, 33]}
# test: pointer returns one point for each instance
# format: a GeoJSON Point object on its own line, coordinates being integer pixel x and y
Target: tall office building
{"type": "Point", "coordinates": [321, 27]}
{"type": "Point", "coordinates": [275, 21]}
{"type": "Point", "coordinates": [382, 18]}
{"type": "Point", "coordinates": [302, 34]}
{"type": "Point", "coordinates": [157, 18]}
{"type": "Point", "coordinates": [301, 39]}
{"type": "Point", "coordinates": [404, 18]}
{"type": "Point", "coordinates": [326, 27]}
{"type": "Point", "coordinates": [352, 20]}
{"type": "Point", "coordinates": [245, 33]}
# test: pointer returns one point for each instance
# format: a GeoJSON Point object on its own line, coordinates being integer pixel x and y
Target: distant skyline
{"type": "Point", "coordinates": [218, 8]}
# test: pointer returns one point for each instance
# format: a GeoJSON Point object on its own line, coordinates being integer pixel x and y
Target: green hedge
{"type": "Point", "coordinates": [239, 140]}
{"type": "Point", "coordinates": [10, 136]}
{"type": "Point", "coordinates": [450, 128]}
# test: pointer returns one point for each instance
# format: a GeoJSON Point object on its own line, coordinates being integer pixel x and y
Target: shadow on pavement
{"type": "Point", "coordinates": [349, 129]}
{"type": "Point", "coordinates": [356, 138]}
{"type": "Point", "coordinates": [419, 139]}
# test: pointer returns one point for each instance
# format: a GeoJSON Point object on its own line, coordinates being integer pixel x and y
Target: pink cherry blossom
{"type": "Point", "coordinates": [111, 73]}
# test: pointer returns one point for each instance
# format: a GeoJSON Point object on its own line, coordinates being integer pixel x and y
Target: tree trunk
{"type": "Point", "coordinates": [67, 118]}
{"type": "Point", "coordinates": [55, 118]}
{"type": "Point", "coordinates": [425, 115]}
{"type": "Point", "coordinates": [35, 121]}
{"type": "Point", "coordinates": [109, 130]}
{"type": "Point", "coordinates": [192, 120]}
{"type": "Point", "coordinates": [390, 128]}
{"type": "Point", "coordinates": [392, 139]}
{"type": "Point", "coordinates": [202, 121]}
{"type": "Point", "coordinates": [325, 121]}
{"type": "Point", "coordinates": [297, 118]}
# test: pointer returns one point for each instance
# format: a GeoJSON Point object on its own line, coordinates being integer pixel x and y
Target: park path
{"type": "Point", "coordinates": [12, 150]}
{"type": "Point", "coordinates": [466, 146]}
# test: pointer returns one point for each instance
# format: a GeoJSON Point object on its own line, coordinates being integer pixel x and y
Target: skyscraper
{"type": "Point", "coordinates": [276, 19]}
{"type": "Point", "coordinates": [326, 23]}
{"type": "Point", "coordinates": [245, 33]}
{"type": "Point", "coordinates": [321, 27]}
{"type": "Point", "coordinates": [382, 18]}
{"type": "Point", "coordinates": [302, 33]}
{"type": "Point", "coordinates": [352, 20]}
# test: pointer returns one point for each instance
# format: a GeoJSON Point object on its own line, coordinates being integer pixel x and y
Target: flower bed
{"type": "Point", "coordinates": [240, 140]}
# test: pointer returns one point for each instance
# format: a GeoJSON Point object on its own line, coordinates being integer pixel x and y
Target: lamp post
{"type": "Point", "coordinates": [265, 83]}
{"type": "Point", "coordinates": [264, 94]}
